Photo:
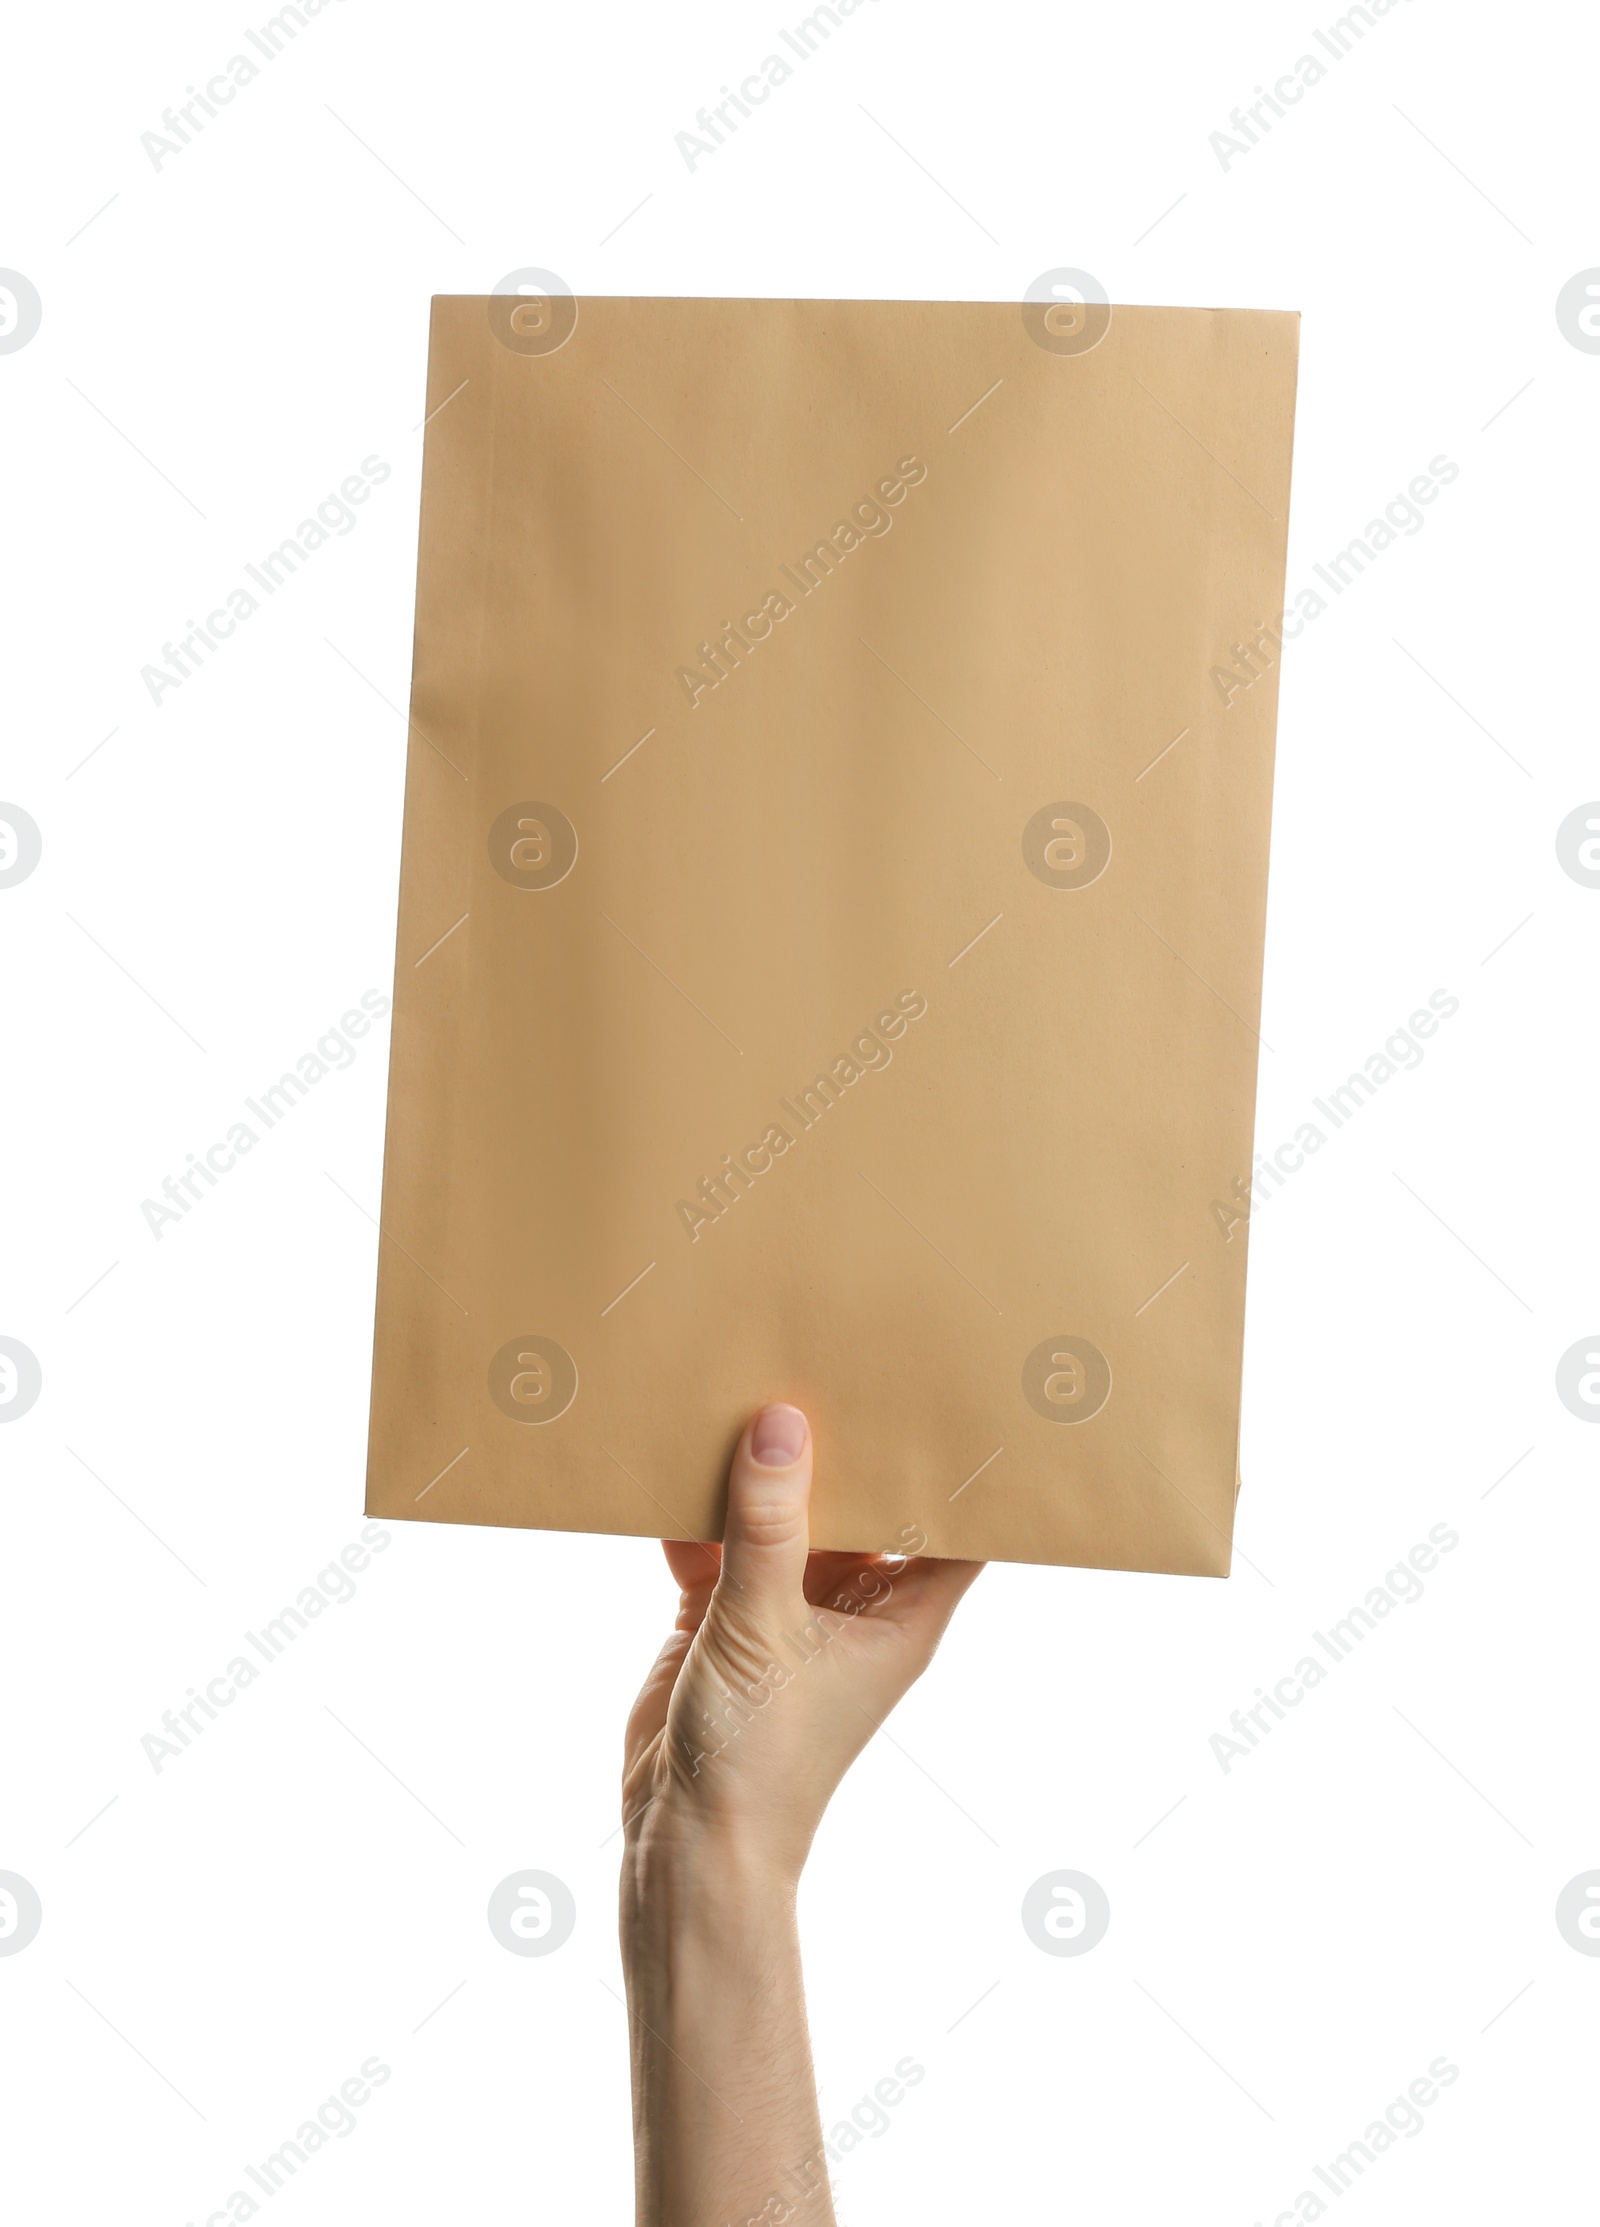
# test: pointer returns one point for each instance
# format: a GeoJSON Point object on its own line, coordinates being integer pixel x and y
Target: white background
{"type": "Point", "coordinates": [224, 339]}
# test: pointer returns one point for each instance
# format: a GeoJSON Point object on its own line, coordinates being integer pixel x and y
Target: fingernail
{"type": "Point", "coordinates": [778, 1436]}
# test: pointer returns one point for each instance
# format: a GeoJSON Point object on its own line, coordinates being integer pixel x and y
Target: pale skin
{"type": "Point", "coordinates": [759, 1702]}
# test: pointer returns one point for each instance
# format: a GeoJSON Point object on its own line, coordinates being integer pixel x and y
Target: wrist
{"type": "Point", "coordinates": [682, 1876]}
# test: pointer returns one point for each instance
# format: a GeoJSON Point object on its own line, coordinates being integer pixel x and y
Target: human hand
{"type": "Point", "coordinates": [782, 1665]}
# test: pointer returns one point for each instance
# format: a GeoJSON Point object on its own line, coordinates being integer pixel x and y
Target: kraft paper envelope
{"type": "Point", "coordinates": [831, 917]}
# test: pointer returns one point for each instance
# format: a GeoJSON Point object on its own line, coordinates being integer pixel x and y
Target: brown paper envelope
{"type": "Point", "coordinates": [831, 918]}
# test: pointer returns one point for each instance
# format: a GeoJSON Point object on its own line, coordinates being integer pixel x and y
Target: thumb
{"type": "Point", "coordinates": [765, 1539]}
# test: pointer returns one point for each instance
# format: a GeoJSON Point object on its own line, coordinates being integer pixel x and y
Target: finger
{"type": "Point", "coordinates": [649, 1712]}
{"type": "Point", "coordinates": [890, 1586]}
{"type": "Point", "coordinates": [928, 1590]}
{"type": "Point", "coordinates": [837, 1572]}
{"type": "Point", "coordinates": [696, 1569]}
{"type": "Point", "coordinates": [826, 1565]}
{"type": "Point", "coordinates": [692, 1562]}
{"type": "Point", "coordinates": [764, 1536]}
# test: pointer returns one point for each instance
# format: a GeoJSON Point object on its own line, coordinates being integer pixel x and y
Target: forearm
{"type": "Point", "coordinates": [726, 2128]}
